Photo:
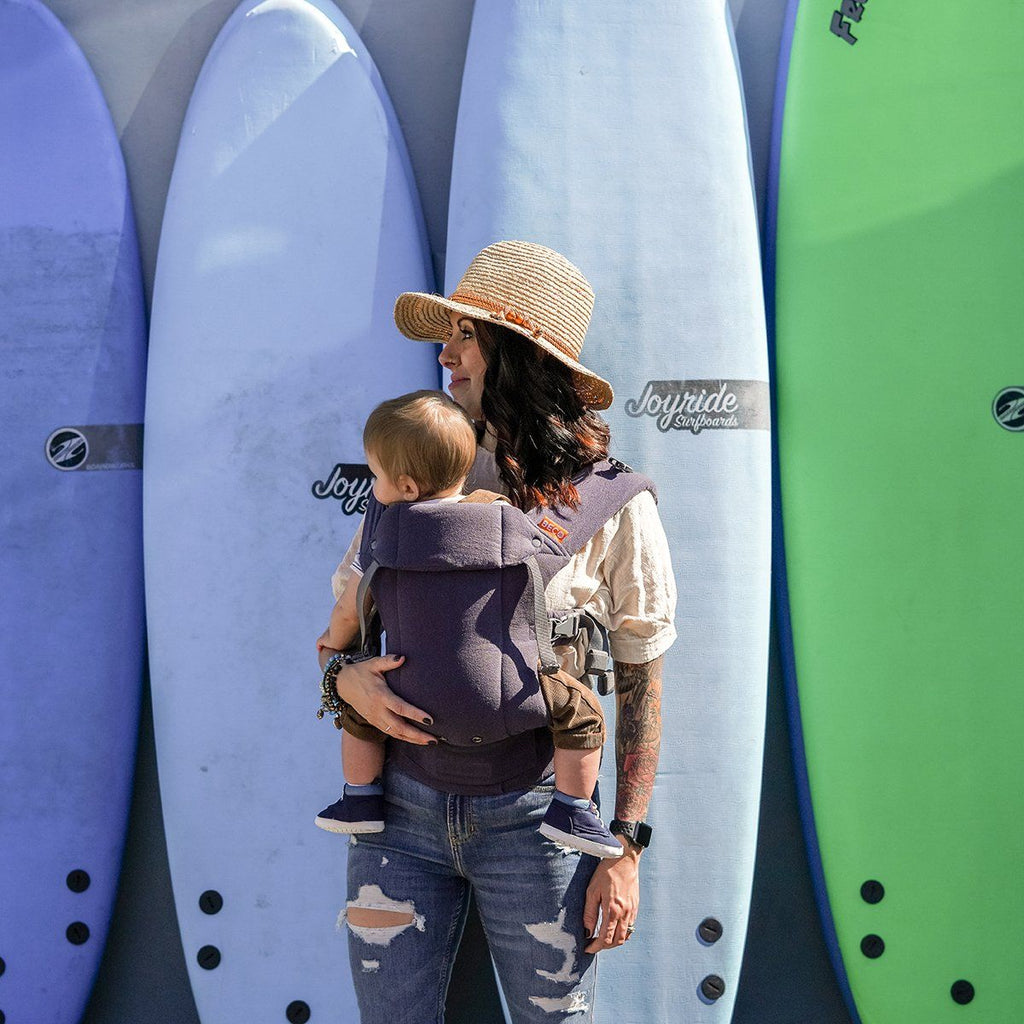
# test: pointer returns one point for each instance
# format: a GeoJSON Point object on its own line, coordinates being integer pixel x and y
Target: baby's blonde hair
{"type": "Point", "coordinates": [423, 435]}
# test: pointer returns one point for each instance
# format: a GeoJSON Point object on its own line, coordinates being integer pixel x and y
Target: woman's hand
{"type": "Point", "coordinates": [614, 890]}
{"type": "Point", "coordinates": [363, 686]}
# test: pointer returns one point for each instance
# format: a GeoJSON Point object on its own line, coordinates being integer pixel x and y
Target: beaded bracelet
{"type": "Point", "coordinates": [330, 702]}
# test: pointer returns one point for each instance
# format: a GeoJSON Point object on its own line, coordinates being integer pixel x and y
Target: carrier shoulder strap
{"type": "Point", "coordinates": [374, 510]}
{"type": "Point", "coordinates": [367, 610]}
{"type": "Point", "coordinates": [605, 488]}
{"type": "Point", "coordinates": [369, 632]}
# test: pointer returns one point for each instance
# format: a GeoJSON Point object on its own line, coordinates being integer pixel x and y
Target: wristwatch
{"type": "Point", "coordinates": [637, 832]}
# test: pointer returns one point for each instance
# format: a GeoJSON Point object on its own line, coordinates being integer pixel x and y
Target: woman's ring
{"type": "Point", "coordinates": [387, 728]}
{"type": "Point", "coordinates": [630, 928]}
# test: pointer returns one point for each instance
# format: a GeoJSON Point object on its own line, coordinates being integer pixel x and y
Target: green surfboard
{"type": "Point", "coordinates": [899, 251]}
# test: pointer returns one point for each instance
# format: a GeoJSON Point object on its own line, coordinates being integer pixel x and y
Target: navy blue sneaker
{"type": "Point", "coordinates": [581, 828]}
{"type": "Point", "coordinates": [353, 814]}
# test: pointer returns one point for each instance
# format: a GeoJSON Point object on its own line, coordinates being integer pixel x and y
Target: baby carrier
{"type": "Point", "coordinates": [459, 590]}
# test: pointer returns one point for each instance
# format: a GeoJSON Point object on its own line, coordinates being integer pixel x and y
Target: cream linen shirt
{"type": "Point", "coordinates": [622, 576]}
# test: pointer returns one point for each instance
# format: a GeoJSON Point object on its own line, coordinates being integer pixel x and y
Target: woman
{"type": "Point", "coordinates": [512, 333]}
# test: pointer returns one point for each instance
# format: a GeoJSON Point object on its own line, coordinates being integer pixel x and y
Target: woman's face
{"type": "Point", "coordinates": [462, 356]}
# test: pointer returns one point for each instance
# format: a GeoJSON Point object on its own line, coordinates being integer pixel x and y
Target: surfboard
{"type": "Point", "coordinates": [292, 223]}
{"type": "Point", "coordinates": [617, 138]}
{"type": "Point", "coordinates": [899, 172]}
{"type": "Point", "coordinates": [72, 336]}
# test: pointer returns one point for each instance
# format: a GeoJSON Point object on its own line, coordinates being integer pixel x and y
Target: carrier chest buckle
{"type": "Point", "coordinates": [566, 628]}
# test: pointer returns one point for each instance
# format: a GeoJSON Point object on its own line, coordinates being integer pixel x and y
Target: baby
{"type": "Point", "coordinates": [420, 448]}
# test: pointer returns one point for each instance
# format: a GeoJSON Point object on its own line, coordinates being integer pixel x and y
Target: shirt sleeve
{"type": "Point", "coordinates": [346, 568]}
{"type": "Point", "coordinates": [641, 586]}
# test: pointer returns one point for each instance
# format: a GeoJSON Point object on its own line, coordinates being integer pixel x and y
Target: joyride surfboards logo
{"type": "Point", "coordinates": [1008, 409]}
{"type": "Point", "coordinates": [351, 483]}
{"type": "Point", "coordinates": [849, 11]}
{"type": "Point", "coordinates": [698, 405]}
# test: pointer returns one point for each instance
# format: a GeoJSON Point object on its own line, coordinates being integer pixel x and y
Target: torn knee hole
{"type": "Point", "coordinates": [363, 917]}
{"type": "Point", "coordinates": [376, 918]}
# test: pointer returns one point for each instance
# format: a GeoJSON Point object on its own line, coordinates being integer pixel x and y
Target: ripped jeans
{"type": "Point", "coordinates": [530, 894]}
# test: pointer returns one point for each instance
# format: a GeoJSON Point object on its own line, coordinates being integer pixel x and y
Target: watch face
{"type": "Point", "coordinates": [643, 833]}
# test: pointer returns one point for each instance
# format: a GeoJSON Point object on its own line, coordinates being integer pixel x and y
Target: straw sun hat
{"type": "Point", "coordinates": [525, 287]}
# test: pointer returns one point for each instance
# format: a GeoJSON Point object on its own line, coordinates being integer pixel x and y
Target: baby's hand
{"type": "Point", "coordinates": [321, 641]}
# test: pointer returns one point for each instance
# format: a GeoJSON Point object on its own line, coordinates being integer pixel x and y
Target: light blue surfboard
{"type": "Point", "coordinates": [615, 134]}
{"type": "Point", "coordinates": [72, 361]}
{"type": "Point", "coordinates": [292, 223]}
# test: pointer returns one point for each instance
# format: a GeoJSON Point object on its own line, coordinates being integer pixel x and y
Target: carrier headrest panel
{"type": "Point", "coordinates": [441, 536]}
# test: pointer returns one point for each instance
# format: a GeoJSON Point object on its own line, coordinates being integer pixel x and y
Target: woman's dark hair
{"type": "Point", "coordinates": [545, 434]}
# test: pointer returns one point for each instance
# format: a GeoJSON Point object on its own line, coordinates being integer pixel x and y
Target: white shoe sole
{"type": "Point", "coordinates": [348, 827]}
{"type": "Point", "coordinates": [575, 843]}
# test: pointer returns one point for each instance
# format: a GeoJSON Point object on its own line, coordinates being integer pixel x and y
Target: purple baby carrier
{"type": "Point", "coordinates": [459, 588]}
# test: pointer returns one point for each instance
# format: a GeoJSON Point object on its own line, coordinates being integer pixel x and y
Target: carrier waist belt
{"type": "Point", "coordinates": [484, 769]}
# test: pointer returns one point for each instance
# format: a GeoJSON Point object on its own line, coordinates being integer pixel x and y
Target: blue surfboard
{"type": "Point", "coordinates": [292, 222]}
{"type": "Point", "coordinates": [72, 338]}
{"type": "Point", "coordinates": [615, 134]}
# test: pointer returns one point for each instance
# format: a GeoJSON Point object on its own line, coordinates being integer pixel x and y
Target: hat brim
{"type": "Point", "coordinates": [424, 317]}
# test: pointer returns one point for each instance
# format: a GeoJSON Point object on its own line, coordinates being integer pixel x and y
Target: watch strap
{"type": "Point", "coordinates": [638, 832]}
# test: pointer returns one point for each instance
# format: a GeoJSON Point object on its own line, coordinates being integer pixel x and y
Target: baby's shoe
{"type": "Point", "coordinates": [579, 827]}
{"type": "Point", "coordinates": [354, 813]}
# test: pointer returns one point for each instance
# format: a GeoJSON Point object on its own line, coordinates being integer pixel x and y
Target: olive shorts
{"type": "Point", "coordinates": [574, 715]}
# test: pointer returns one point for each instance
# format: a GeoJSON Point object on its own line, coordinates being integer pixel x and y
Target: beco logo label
{"type": "Point", "coordinates": [1008, 409]}
{"type": "Point", "coordinates": [849, 11]}
{"type": "Point", "coordinates": [698, 405]}
{"type": "Point", "coordinates": [558, 532]}
{"type": "Point", "coordinates": [349, 482]}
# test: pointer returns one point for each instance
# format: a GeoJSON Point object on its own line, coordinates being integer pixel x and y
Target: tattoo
{"type": "Point", "coordinates": [637, 735]}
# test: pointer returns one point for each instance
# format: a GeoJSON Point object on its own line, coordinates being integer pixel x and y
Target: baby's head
{"type": "Point", "coordinates": [420, 445]}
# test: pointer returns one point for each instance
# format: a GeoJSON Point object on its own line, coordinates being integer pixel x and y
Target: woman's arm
{"type": "Point", "coordinates": [363, 686]}
{"type": "Point", "coordinates": [637, 736]}
{"type": "Point", "coordinates": [615, 887]}
{"type": "Point", "coordinates": [343, 629]}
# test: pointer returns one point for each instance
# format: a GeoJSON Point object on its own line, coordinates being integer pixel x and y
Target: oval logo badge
{"type": "Point", "coordinates": [66, 448]}
{"type": "Point", "coordinates": [1008, 409]}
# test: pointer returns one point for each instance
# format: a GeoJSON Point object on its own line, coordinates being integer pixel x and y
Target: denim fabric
{"type": "Point", "coordinates": [530, 893]}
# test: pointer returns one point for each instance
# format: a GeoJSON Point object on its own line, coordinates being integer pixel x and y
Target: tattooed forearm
{"type": "Point", "coordinates": [637, 735]}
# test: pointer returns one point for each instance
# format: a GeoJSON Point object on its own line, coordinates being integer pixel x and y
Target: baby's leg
{"type": "Point", "coordinates": [362, 761]}
{"type": "Point", "coordinates": [575, 771]}
{"type": "Point", "coordinates": [577, 727]}
{"type": "Point", "coordinates": [361, 808]}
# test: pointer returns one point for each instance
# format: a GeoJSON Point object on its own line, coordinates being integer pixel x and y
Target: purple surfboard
{"type": "Point", "coordinates": [72, 338]}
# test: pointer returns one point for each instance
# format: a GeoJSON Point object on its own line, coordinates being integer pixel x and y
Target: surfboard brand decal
{"type": "Point", "coordinates": [698, 405]}
{"type": "Point", "coordinates": [1008, 409]}
{"type": "Point", "coordinates": [100, 446]}
{"type": "Point", "coordinates": [558, 532]}
{"type": "Point", "coordinates": [66, 448]}
{"type": "Point", "coordinates": [849, 11]}
{"type": "Point", "coordinates": [349, 482]}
